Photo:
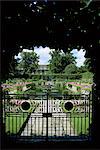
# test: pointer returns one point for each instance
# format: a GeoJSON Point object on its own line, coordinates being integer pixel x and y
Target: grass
{"type": "Point", "coordinates": [14, 122]}
{"type": "Point", "coordinates": [78, 120]}
{"type": "Point", "coordinates": [81, 124]}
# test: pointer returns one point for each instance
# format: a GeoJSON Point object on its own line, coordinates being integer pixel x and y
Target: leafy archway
{"type": "Point", "coordinates": [60, 25]}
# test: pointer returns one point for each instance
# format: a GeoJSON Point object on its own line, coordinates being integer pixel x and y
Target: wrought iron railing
{"type": "Point", "coordinates": [46, 117]}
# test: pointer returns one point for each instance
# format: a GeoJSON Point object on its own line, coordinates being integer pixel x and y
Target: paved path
{"type": "Point", "coordinates": [58, 125]}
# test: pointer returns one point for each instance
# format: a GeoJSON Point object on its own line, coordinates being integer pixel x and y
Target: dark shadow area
{"type": "Point", "coordinates": [58, 25]}
{"type": "Point", "coordinates": [41, 142]}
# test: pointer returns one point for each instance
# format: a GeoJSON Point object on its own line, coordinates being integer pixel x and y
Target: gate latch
{"type": "Point", "coordinates": [47, 115]}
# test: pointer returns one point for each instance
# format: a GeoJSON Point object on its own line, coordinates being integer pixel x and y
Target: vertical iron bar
{"type": "Point", "coordinates": [8, 113]}
{"type": "Point", "coordinates": [81, 125]}
{"type": "Point", "coordinates": [38, 125]}
{"type": "Point", "coordinates": [31, 125]}
{"type": "Point", "coordinates": [5, 114]}
{"type": "Point", "coordinates": [12, 122]}
{"type": "Point", "coordinates": [47, 119]}
{"type": "Point", "coordinates": [35, 126]}
{"type": "Point", "coordinates": [42, 104]}
{"type": "Point", "coordinates": [74, 125]}
{"type": "Point", "coordinates": [70, 124]}
{"type": "Point", "coordinates": [3, 124]}
{"type": "Point", "coordinates": [55, 126]}
{"type": "Point", "coordinates": [3, 111]}
{"type": "Point", "coordinates": [51, 127]}
{"type": "Point", "coordinates": [16, 125]}
{"type": "Point", "coordinates": [59, 126]}
{"type": "Point", "coordinates": [42, 125]}
{"type": "Point", "coordinates": [23, 121]}
{"type": "Point", "coordinates": [89, 114]}
{"type": "Point", "coordinates": [62, 125]}
{"type": "Point", "coordinates": [78, 124]}
{"type": "Point", "coordinates": [66, 123]}
{"type": "Point", "coordinates": [10, 109]}
{"type": "Point", "coordinates": [27, 128]}
{"type": "Point", "coordinates": [85, 114]}
{"type": "Point", "coordinates": [19, 117]}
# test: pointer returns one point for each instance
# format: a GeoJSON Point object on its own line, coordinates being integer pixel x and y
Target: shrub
{"type": "Point", "coordinates": [19, 88]}
{"type": "Point", "coordinates": [30, 94]}
{"type": "Point", "coordinates": [36, 77]}
{"type": "Point", "coordinates": [39, 90]}
{"type": "Point", "coordinates": [32, 85]}
{"type": "Point", "coordinates": [19, 95]}
{"type": "Point", "coordinates": [87, 75]}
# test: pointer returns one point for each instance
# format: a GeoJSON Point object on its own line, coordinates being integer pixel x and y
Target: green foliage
{"type": "Point", "coordinates": [19, 95]}
{"type": "Point", "coordinates": [87, 75]}
{"type": "Point", "coordinates": [28, 63]}
{"type": "Point", "coordinates": [60, 28]}
{"type": "Point", "coordinates": [88, 64]}
{"type": "Point", "coordinates": [85, 3]}
{"type": "Point", "coordinates": [58, 87]}
{"type": "Point", "coordinates": [12, 68]}
{"type": "Point", "coordinates": [30, 91]}
{"type": "Point", "coordinates": [36, 77]}
{"type": "Point", "coordinates": [59, 61]}
{"type": "Point", "coordinates": [28, 80]}
{"type": "Point", "coordinates": [9, 81]}
{"type": "Point", "coordinates": [71, 69]}
{"type": "Point", "coordinates": [74, 76]}
{"type": "Point", "coordinates": [82, 69]}
{"type": "Point", "coordinates": [32, 86]}
{"type": "Point", "coordinates": [78, 89]}
{"type": "Point", "coordinates": [39, 89]}
{"type": "Point", "coordinates": [66, 91]}
{"type": "Point", "coordinates": [19, 88]}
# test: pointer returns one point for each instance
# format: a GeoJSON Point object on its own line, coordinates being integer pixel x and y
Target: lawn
{"type": "Point", "coordinates": [79, 121]}
{"type": "Point", "coordinates": [81, 124]}
{"type": "Point", "coordinates": [14, 122]}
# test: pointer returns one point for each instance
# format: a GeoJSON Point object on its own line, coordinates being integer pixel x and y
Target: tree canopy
{"type": "Point", "coordinates": [28, 63]}
{"type": "Point", "coordinates": [56, 24]}
{"type": "Point", "coordinates": [59, 60]}
{"type": "Point", "coordinates": [87, 64]}
{"type": "Point", "coordinates": [71, 69]}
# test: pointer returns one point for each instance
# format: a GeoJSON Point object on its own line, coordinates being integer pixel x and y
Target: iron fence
{"type": "Point", "coordinates": [47, 117]}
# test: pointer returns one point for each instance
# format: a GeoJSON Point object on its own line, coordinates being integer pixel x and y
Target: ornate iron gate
{"type": "Point", "coordinates": [47, 117]}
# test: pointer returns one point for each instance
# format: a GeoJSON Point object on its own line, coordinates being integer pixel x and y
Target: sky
{"type": "Point", "coordinates": [43, 53]}
{"type": "Point", "coordinates": [80, 56]}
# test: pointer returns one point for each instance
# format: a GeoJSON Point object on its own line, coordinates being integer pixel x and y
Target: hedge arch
{"type": "Point", "coordinates": [61, 25]}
